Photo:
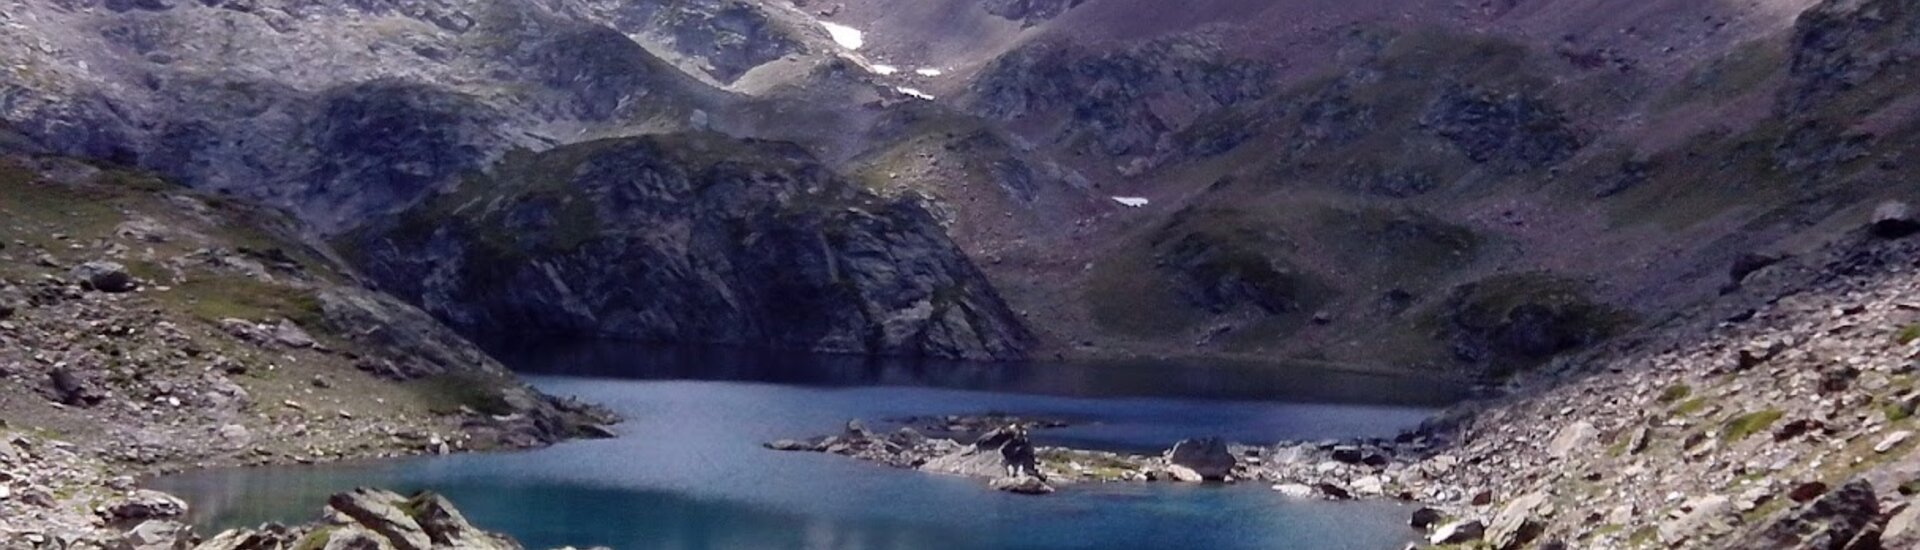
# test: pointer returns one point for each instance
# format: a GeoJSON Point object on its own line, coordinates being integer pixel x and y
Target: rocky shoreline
{"type": "Point", "coordinates": [1779, 415]}
{"type": "Point", "coordinates": [999, 448]}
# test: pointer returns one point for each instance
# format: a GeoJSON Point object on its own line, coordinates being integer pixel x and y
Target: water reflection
{"type": "Point", "coordinates": [1189, 379]}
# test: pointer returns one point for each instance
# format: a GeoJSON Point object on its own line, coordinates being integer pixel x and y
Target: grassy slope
{"type": "Point", "coordinates": [108, 214]}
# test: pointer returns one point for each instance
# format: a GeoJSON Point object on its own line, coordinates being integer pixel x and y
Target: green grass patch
{"type": "Point", "coordinates": [448, 393]}
{"type": "Point", "coordinates": [1907, 334]}
{"type": "Point", "coordinates": [1745, 425]}
{"type": "Point", "coordinates": [1675, 392]}
{"type": "Point", "coordinates": [1897, 411]}
{"type": "Point", "coordinates": [1691, 406]}
{"type": "Point", "coordinates": [214, 299]}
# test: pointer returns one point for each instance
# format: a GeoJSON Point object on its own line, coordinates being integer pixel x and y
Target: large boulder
{"type": "Point", "coordinates": [104, 277]}
{"type": "Point", "coordinates": [1698, 518]}
{"type": "Point", "coordinates": [447, 527]}
{"type": "Point", "coordinates": [1893, 220]}
{"type": "Point", "coordinates": [1208, 457]}
{"type": "Point", "coordinates": [1022, 484]}
{"type": "Point", "coordinates": [384, 513]}
{"type": "Point", "coordinates": [158, 534]}
{"type": "Point", "coordinates": [75, 387]}
{"type": "Point", "coordinates": [145, 505]}
{"type": "Point", "coordinates": [1520, 522]}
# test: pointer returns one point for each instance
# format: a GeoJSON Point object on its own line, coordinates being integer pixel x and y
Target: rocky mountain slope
{"type": "Point", "coordinates": [690, 238]}
{"type": "Point", "coordinates": [1428, 184]}
{"type": "Point", "coordinates": [1779, 416]}
{"type": "Point", "coordinates": [145, 328]}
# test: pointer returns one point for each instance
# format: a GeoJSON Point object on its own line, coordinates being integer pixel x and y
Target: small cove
{"type": "Point", "coordinates": [688, 470]}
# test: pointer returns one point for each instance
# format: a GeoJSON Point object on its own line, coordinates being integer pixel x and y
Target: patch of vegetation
{"type": "Point", "coordinates": [448, 393]}
{"type": "Point", "coordinates": [1202, 263]}
{"type": "Point", "coordinates": [1691, 406]}
{"type": "Point", "coordinates": [1748, 424]}
{"type": "Point", "coordinates": [214, 299]}
{"type": "Point", "coordinates": [1519, 320]}
{"type": "Point", "coordinates": [1404, 248]}
{"type": "Point", "coordinates": [1675, 392]}
{"type": "Point", "coordinates": [1897, 411]}
{"type": "Point", "coordinates": [315, 540]}
{"type": "Point", "coordinates": [1907, 334]}
{"type": "Point", "coordinates": [1643, 536]}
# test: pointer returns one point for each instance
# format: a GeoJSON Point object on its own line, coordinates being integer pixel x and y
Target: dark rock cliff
{"type": "Point", "coordinates": [691, 238]}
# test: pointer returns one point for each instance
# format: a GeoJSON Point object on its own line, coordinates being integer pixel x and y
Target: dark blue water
{"type": "Point", "coordinates": [688, 471]}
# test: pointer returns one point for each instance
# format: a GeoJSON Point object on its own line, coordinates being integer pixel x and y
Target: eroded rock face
{"type": "Point", "coordinates": [1109, 95]}
{"type": "Point", "coordinates": [1508, 132]}
{"type": "Point", "coordinates": [666, 239]}
{"type": "Point", "coordinates": [725, 38]}
{"type": "Point", "coordinates": [335, 110]}
{"type": "Point", "coordinates": [1839, 46]}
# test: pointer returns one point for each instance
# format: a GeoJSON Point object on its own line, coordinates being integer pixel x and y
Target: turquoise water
{"type": "Point", "coordinates": [688, 471]}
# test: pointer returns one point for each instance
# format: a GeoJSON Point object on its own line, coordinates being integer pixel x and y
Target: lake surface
{"type": "Point", "coordinates": [688, 471]}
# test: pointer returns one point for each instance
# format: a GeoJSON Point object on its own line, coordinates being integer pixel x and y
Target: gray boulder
{"type": "Point", "coordinates": [104, 276]}
{"type": "Point", "coordinates": [1893, 220]}
{"type": "Point", "coordinates": [383, 513]}
{"type": "Point", "coordinates": [1022, 484]}
{"type": "Point", "coordinates": [1208, 457]}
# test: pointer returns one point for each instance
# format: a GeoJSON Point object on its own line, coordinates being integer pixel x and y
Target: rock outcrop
{"type": "Point", "coordinates": [371, 518]}
{"type": "Point", "coordinates": [1108, 99]}
{"type": "Point", "coordinates": [692, 238]}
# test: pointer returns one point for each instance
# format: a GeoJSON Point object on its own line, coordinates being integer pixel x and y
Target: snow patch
{"type": "Point", "coordinates": [847, 37]}
{"type": "Point", "coordinates": [884, 70]}
{"type": "Point", "coordinates": [915, 93]}
{"type": "Point", "coordinates": [1131, 202]}
{"type": "Point", "coordinates": [928, 72]}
